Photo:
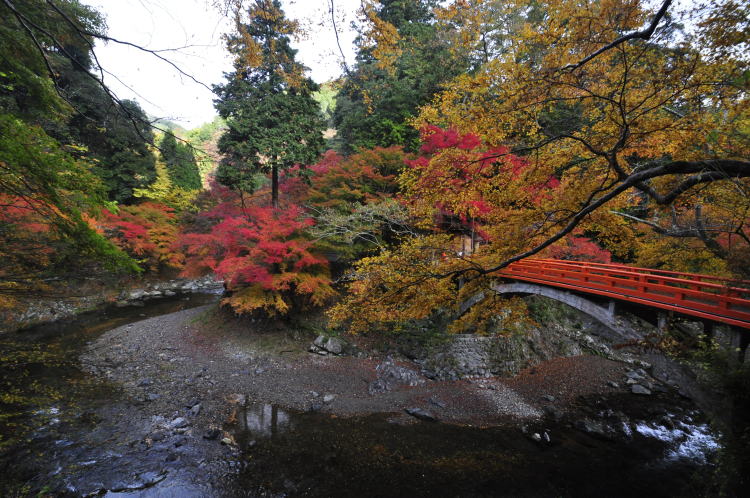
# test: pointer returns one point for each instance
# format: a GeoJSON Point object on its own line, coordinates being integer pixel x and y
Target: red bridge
{"type": "Point", "coordinates": [705, 297]}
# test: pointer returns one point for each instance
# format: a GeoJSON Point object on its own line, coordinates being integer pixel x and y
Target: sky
{"type": "Point", "coordinates": [194, 29]}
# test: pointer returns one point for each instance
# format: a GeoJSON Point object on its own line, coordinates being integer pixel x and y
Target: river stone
{"type": "Point", "coordinates": [390, 375]}
{"type": "Point", "coordinates": [328, 398]}
{"type": "Point", "coordinates": [548, 397]}
{"type": "Point", "coordinates": [421, 414]}
{"type": "Point", "coordinates": [639, 389]}
{"type": "Point", "coordinates": [158, 436]}
{"type": "Point", "coordinates": [195, 410]}
{"type": "Point", "coordinates": [596, 428]}
{"type": "Point", "coordinates": [212, 434]}
{"type": "Point", "coordinates": [179, 423]}
{"type": "Point", "coordinates": [632, 374]}
{"type": "Point", "coordinates": [437, 402]}
{"type": "Point", "coordinates": [334, 345]}
{"type": "Point", "coordinates": [145, 480]}
{"type": "Point", "coordinates": [320, 341]}
{"type": "Point", "coordinates": [137, 294]}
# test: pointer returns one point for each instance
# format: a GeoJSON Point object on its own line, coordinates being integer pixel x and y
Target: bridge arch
{"type": "Point", "coordinates": [604, 315]}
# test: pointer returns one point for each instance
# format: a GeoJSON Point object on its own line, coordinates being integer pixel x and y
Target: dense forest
{"type": "Point", "coordinates": [477, 131]}
{"type": "Point", "coordinates": [465, 136]}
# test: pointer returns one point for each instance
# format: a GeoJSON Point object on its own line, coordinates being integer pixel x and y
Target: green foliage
{"type": "Point", "coordinates": [376, 103]}
{"type": "Point", "coordinates": [45, 191]}
{"type": "Point", "coordinates": [205, 132]}
{"type": "Point", "coordinates": [326, 99]}
{"type": "Point", "coordinates": [162, 191]}
{"type": "Point", "coordinates": [273, 121]}
{"type": "Point", "coordinates": [116, 136]}
{"type": "Point", "coordinates": [26, 89]}
{"type": "Point", "coordinates": [180, 162]}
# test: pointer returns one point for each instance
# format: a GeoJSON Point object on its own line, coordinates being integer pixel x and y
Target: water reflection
{"type": "Point", "coordinates": [263, 420]}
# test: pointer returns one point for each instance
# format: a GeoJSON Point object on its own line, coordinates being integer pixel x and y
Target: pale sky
{"type": "Point", "coordinates": [168, 24]}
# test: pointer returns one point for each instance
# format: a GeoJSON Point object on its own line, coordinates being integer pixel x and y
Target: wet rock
{"type": "Point", "coordinates": [327, 345]}
{"type": "Point", "coordinates": [632, 374]}
{"type": "Point", "coordinates": [548, 397]}
{"type": "Point", "coordinates": [613, 384]}
{"type": "Point", "coordinates": [143, 481]}
{"type": "Point", "coordinates": [227, 441]}
{"type": "Point", "coordinates": [212, 434]}
{"type": "Point", "coordinates": [554, 412]}
{"type": "Point", "coordinates": [328, 398]}
{"type": "Point", "coordinates": [536, 437]}
{"type": "Point", "coordinates": [179, 423]}
{"type": "Point", "coordinates": [421, 414]}
{"type": "Point", "coordinates": [152, 397]}
{"type": "Point", "coordinates": [391, 375]}
{"type": "Point", "coordinates": [594, 428]}
{"type": "Point", "coordinates": [136, 294]}
{"type": "Point", "coordinates": [316, 407]}
{"type": "Point", "coordinates": [158, 436]}
{"type": "Point", "coordinates": [639, 389]}
{"type": "Point", "coordinates": [334, 345]}
{"type": "Point", "coordinates": [195, 410]}
{"type": "Point", "coordinates": [437, 402]}
{"type": "Point", "coordinates": [145, 382]}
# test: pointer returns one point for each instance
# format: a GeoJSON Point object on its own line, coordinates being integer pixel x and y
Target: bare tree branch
{"type": "Point", "coordinates": [702, 171]}
{"type": "Point", "coordinates": [643, 34]}
{"type": "Point", "coordinates": [338, 42]}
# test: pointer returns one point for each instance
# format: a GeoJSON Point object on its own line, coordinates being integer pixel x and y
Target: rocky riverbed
{"type": "Point", "coordinates": [66, 305]}
{"type": "Point", "coordinates": [202, 404]}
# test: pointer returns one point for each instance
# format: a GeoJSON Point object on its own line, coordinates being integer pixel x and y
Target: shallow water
{"type": "Point", "coordinates": [68, 433]}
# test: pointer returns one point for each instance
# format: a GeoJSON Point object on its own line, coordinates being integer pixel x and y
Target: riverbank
{"type": "Point", "coordinates": [64, 304]}
{"type": "Point", "coordinates": [202, 365]}
{"type": "Point", "coordinates": [184, 401]}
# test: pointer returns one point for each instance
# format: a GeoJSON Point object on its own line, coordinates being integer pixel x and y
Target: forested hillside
{"type": "Point", "coordinates": [467, 135]}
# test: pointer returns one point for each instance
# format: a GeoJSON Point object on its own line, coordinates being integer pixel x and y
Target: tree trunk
{"type": "Point", "coordinates": [275, 187]}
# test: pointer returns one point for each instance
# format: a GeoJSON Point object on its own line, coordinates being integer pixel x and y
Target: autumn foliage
{"type": "Point", "coordinates": [262, 253]}
{"type": "Point", "coordinates": [147, 232]}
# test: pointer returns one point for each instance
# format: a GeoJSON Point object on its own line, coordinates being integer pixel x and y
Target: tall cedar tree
{"type": "Point", "coordinates": [396, 73]}
{"type": "Point", "coordinates": [273, 122]}
{"type": "Point", "coordinates": [181, 164]}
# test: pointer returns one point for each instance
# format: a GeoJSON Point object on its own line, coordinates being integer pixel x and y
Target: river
{"type": "Point", "coordinates": [67, 433]}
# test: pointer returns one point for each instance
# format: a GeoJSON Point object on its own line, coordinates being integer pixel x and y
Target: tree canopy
{"type": "Point", "coordinates": [273, 121]}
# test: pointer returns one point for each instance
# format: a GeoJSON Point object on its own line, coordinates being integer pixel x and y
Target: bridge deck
{"type": "Point", "coordinates": [704, 296]}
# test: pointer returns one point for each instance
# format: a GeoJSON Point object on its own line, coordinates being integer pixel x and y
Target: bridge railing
{"type": "Point", "coordinates": [667, 273]}
{"type": "Point", "coordinates": [715, 298]}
